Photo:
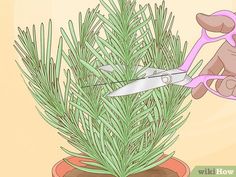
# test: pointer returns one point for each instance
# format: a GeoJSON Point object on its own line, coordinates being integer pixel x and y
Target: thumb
{"type": "Point", "coordinates": [215, 23]}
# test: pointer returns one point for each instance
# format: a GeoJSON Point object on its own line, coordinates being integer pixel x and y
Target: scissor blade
{"type": "Point", "coordinates": [186, 80]}
{"type": "Point", "coordinates": [139, 86]}
{"type": "Point", "coordinates": [148, 72]}
{"type": "Point", "coordinates": [107, 68]}
{"type": "Point", "coordinates": [150, 82]}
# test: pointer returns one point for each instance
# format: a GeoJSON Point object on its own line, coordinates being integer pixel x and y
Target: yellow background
{"type": "Point", "coordinates": [30, 147]}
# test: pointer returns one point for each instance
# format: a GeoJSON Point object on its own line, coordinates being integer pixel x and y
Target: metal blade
{"type": "Point", "coordinates": [107, 68]}
{"type": "Point", "coordinates": [138, 86]}
{"type": "Point", "coordinates": [185, 81]}
{"type": "Point", "coordinates": [149, 83]}
{"type": "Point", "coordinates": [147, 72]}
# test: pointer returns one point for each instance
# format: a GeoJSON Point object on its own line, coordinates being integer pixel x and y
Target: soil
{"type": "Point", "coordinates": [154, 172]}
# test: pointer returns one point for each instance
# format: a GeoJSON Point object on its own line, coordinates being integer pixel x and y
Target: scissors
{"type": "Point", "coordinates": [155, 78]}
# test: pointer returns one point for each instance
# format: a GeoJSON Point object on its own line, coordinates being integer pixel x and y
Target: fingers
{"type": "Point", "coordinates": [213, 23]}
{"type": "Point", "coordinates": [214, 67]}
{"type": "Point", "coordinates": [234, 37]}
{"type": "Point", "coordinates": [228, 87]}
{"type": "Point", "coordinates": [219, 82]}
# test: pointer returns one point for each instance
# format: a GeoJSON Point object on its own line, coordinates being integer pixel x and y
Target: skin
{"type": "Point", "coordinates": [224, 61]}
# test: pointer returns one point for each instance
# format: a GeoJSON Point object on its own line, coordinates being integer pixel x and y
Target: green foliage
{"type": "Point", "coordinates": [124, 135]}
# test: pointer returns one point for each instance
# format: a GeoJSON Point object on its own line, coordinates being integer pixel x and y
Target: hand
{"type": "Point", "coordinates": [224, 59]}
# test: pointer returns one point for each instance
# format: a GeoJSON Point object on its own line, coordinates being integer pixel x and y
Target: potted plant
{"type": "Point", "coordinates": [122, 136]}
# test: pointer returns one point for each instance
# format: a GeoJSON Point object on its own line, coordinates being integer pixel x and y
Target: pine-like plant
{"type": "Point", "coordinates": [122, 135]}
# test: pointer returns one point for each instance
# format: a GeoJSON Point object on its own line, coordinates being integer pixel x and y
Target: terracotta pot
{"type": "Point", "coordinates": [174, 164]}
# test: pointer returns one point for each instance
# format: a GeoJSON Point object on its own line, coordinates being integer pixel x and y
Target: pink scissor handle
{"type": "Point", "coordinates": [204, 79]}
{"type": "Point", "coordinates": [229, 36]}
{"type": "Point", "coordinates": [204, 39]}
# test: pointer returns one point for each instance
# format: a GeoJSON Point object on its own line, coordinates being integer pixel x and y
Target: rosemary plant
{"type": "Point", "coordinates": [119, 136]}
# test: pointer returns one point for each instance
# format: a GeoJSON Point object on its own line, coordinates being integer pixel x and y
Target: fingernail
{"type": "Point", "coordinates": [231, 84]}
{"type": "Point", "coordinates": [199, 14]}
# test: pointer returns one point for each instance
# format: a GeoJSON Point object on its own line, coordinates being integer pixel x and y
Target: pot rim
{"type": "Point", "coordinates": [187, 168]}
{"type": "Point", "coordinates": [163, 165]}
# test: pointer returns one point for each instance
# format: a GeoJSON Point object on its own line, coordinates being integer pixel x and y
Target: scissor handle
{"type": "Point", "coordinates": [204, 39]}
{"type": "Point", "coordinates": [228, 36]}
{"type": "Point", "coordinates": [204, 79]}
